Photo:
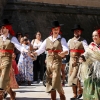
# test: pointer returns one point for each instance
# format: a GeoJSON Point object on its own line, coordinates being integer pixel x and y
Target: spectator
{"type": "Point", "coordinates": [25, 64]}
{"type": "Point", "coordinates": [39, 63]}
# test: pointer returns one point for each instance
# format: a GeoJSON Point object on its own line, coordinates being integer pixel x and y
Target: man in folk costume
{"type": "Point", "coordinates": [77, 46]}
{"type": "Point", "coordinates": [56, 48]}
{"type": "Point", "coordinates": [7, 44]}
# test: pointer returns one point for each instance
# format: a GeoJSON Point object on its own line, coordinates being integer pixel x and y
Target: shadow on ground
{"type": "Point", "coordinates": [31, 98]}
{"type": "Point", "coordinates": [36, 99]}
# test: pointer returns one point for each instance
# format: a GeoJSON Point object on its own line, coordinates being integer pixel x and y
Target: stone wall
{"type": "Point", "coordinates": [32, 17]}
{"type": "Point", "coordinates": [2, 4]}
{"type": "Point", "coordinates": [89, 3]}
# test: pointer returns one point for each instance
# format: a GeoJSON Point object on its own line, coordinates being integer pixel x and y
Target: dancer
{"type": "Point", "coordinates": [57, 48]}
{"type": "Point", "coordinates": [91, 89]}
{"type": "Point", "coordinates": [77, 46]}
{"type": "Point", "coordinates": [7, 43]}
{"type": "Point", "coordinates": [13, 72]}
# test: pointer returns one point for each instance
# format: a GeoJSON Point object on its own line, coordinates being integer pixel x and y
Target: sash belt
{"type": "Point", "coordinates": [77, 50]}
{"type": "Point", "coordinates": [9, 51]}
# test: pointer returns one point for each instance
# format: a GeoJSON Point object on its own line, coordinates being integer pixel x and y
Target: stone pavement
{"type": "Point", "coordinates": [37, 92]}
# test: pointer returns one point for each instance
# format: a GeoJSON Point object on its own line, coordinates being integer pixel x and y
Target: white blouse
{"type": "Point", "coordinates": [43, 46]}
{"type": "Point", "coordinates": [36, 45]}
{"type": "Point", "coordinates": [15, 42]}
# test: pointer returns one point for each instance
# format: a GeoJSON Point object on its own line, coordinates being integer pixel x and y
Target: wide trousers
{"type": "Point", "coordinates": [5, 65]}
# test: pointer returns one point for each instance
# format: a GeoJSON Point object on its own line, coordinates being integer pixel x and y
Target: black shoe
{"type": "Point", "coordinates": [79, 96]}
{"type": "Point", "coordinates": [73, 98]}
{"type": "Point", "coordinates": [5, 95]}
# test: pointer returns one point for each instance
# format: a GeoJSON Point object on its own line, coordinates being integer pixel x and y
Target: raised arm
{"type": "Point", "coordinates": [18, 45]}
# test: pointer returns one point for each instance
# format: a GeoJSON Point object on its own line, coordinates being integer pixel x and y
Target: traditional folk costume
{"type": "Point", "coordinates": [54, 62]}
{"type": "Point", "coordinates": [15, 67]}
{"type": "Point", "coordinates": [92, 73]}
{"type": "Point", "coordinates": [7, 45]}
{"type": "Point", "coordinates": [77, 47]}
{"type": "Point", "coordinates": [13, 82]}
{"type": "Point", "coordinates": [82, 72]}
{"type": "Point", "coordinates": [13, 73]}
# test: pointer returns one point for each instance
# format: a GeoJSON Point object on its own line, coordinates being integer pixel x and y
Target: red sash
{"type": "Point", "coordinates": [77, 50]}
{"type": "Point", "coordinates": [9, 51]}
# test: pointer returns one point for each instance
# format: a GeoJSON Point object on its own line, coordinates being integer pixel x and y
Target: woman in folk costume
{"type": "Point", "coordinates": [7, 44]}
{"type": "Point", "coordinates": [57, 48]}
{"type": "Point", "coordinates": [92, 78]}
{"type": "Point", "coordinates": [13, 72]}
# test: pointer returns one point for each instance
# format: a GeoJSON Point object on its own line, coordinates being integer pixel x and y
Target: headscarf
{"type": "Point", "coordinates": [11, 31]}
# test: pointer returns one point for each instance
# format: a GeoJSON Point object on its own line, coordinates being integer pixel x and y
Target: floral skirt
{"type": "Point", "coordinates": [91, 89]}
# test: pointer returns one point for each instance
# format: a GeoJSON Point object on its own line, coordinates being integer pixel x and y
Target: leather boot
{"type": "Point", "coordinates": [62, 97]}
{"type": "Point", "coordinates": [80, 90]}
{"type": "Point", "coordinates": [12, 94]}
{"type": "Point", "coordinates": [1, 94]}
{"type": "Point", "coordinates": [53, 95]}
{"type": "Point", "coordinates": [74, 88]}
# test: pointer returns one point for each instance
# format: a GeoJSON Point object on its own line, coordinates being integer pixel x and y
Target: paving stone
{"type": "Point", "coordinates": [37, 92]}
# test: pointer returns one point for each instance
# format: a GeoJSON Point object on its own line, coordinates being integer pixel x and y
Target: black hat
{"type": "Point", "coordinates": [77, 27]}
{"type": "Point", "coordinates": [6, 22]}
{"type": "Point", "coordinates": [55, 24]}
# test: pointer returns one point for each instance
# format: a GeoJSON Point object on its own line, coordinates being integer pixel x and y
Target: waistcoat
{"type": "Point", "coordinates": [76, 45]}
{"type": "Point", "coordinates": [6, 45]}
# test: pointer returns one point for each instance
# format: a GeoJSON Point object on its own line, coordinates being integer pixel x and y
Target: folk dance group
{"type": "Point", "coordinates": [84, 65]}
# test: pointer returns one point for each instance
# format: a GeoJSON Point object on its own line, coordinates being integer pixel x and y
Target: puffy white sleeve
{"type": "Point", "coordinates": [42, 48]}
{"type": "Point", "coordinates": [69, 42]}
{"type": "Point", "coordinates": [64, 45]}
{"type": "Point", "coordinates": [85, 44]}
{"type": "Point", "coordinates": [18, 45]}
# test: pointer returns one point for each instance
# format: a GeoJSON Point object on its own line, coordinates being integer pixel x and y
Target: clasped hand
{"type": "Point", "coordinates": [61, 54]}
{"type": "Point", "coordinates": [33, 55]}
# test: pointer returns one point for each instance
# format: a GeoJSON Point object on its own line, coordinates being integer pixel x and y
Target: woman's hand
{"type": "Point", "coordinates": [25, 50]}
{"type": "Point", "coordinates": [61, 54]}
{"type": "Point", "coordinates": [34, 53]}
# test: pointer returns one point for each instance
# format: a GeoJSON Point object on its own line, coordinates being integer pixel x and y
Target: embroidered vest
{"type": "Point", "coordinates": [6, 45]}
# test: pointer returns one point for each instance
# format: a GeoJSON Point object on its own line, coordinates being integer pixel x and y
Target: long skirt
{"type": "Point", "coordinates": [13, 82]}
{"type": "Point", "coordinates": [91, 89]}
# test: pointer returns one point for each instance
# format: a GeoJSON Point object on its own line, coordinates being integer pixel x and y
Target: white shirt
{"type": "Point", "coordinates": [15, 42]}
{"type": "Point", "coordinates": [43, 46]}
{"type": "Point", "coordinates": [36, 45]}
{"type": "Point", "coordinates": [84, 42]}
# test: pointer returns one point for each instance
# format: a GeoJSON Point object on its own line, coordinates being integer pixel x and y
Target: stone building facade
{"type": "Point", "coordinates": [30, 16]}
{"type": "Point", "coordinates": [2, 4]}
{"type": "Point", "coordinates": [89, 3]}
